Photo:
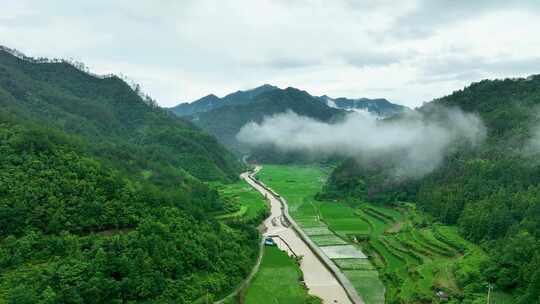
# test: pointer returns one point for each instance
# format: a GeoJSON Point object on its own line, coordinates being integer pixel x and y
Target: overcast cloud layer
{"type": "Point", "coordinates": [409, 51]}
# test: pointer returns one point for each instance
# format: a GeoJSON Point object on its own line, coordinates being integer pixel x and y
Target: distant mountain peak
{"type": "Point", "coordinates": [212, 102]}
{"type": "Point", "coordinates": [381, 107]}
{"type": "Point", "coordinates": [266, 86]}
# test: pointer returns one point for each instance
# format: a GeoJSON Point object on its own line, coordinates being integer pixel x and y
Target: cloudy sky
{"type": "Point", "coordinates": [409, 51]}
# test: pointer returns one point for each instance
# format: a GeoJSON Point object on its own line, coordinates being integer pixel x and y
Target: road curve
{"type": "Point", "coordinates": [317, 277]}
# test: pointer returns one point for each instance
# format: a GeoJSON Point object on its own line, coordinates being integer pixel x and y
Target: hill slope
{"type": "Point", "coordinates": [223, 117]}
{"type": "Point", "coordinates": [491, 192]}
{"type": "Point", "coordinates": [111, 115]}
{"type": "Point", "coordinates": [225, 122]}
{"type": "Point", "coordinates": [101, 199]}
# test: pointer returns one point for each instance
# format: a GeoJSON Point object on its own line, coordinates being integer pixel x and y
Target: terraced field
{"type": "Point", "coordinates": [245, 202]}
{"type": "Point", "coordinates": [412, 256]}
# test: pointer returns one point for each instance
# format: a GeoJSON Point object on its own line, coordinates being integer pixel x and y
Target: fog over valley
{"type": "Point", "coordinates": [420, 142]}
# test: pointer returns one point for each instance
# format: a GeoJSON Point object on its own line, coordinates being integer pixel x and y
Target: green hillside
{"type": "Point", "coordinates": [114, 118]}
{"type": "Point", "coordinates": [102, 198]}
{"type": "Point", "coordinates": [225, 122]}
{"type": "Point", "coordinates": [491, 193]}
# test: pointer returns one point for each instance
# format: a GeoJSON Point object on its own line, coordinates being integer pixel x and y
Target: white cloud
{"type": "Point", "coordinates": [181, 50]}
{"type": "Point", "coordinates": [417, 143]}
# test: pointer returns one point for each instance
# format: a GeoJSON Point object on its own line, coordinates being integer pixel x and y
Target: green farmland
{"type": "Point", "coordinates": [242, 201]}
{"type": "Point", "coordinates": [410, 257]}
{"type": "Point", "coordinates": [327, 223]}
{"type": "Point", "coordinates": [278, 281]}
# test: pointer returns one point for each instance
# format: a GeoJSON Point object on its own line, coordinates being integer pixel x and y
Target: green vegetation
{"type": "Point", "coordinates": [299, 186]}
{"type": "Point", "coordinates": [278, 281]}
{"type": "Point", "coordinates": [325, 240]}
{"type": "Point", "coordinates": [367, 284]}
{"type": "Point", "coordinates": [102, 198]}
{"type": "Point", "coordinates": [225, 122]}
{"type": "Point", "coordinates": [119, 126]}
{"type": "Point", "coordinates": [354, 264]}
{"type": "Point", "coordinates": [490, 193]}
{"type": "Point", "coordinates": [242, 202]}
{"type": "Point", "coordinates": [411, 257]}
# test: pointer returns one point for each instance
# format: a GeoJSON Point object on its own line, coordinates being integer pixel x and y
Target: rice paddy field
{"type": "Point", "coordinates": [278, 281]}
{"type": "Point", "coordinates": [409, 258]}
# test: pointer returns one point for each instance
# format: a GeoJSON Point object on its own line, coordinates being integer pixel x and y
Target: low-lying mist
{"type": "Point", "coordinates": [415, 142]}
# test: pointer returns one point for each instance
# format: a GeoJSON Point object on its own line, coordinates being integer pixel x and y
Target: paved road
{"type": "Point", "coordinates": [317, 277]}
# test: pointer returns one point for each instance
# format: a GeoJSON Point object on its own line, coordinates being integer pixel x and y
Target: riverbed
{"type": "Point", "coordinates": [318, 279]}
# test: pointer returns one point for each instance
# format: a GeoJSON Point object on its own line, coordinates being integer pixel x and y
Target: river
{"type": "Point", "coordinates": [318, 278]}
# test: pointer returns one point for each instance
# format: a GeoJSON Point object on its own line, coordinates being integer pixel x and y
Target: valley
{"type": "Point", "coordinates": [316, 276]}
{"type": "Point", "coordinates": [410, 258]}
{"type": "Point", "coordinates": [343, 152]}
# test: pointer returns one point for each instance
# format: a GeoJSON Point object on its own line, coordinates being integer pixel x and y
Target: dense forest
{"type": "Point", "coordinates": [103, 195]}
{"type": "Point", "coordinates": [491, 192]}
{"type": "Point", "coordinates": [117, 122]}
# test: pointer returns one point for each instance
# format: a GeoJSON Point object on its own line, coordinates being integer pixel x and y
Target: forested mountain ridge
{"type": "Point", "coordinates": [491, 192]}
{"type": "Point", "coordinates": [224, 117]}
{"type": "Point", "coordinates": [101, 195]}
{"type": "Point", "coordinates": [58, 94]}
{"type": "Point", "coordinates": [212, 102]}
{"type": "Point", "coordinates": [225, 122]}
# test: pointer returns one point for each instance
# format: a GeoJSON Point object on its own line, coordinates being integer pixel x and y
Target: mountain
{"type": "Point", "coordinates": [223, 117]}
{"type": "Point", "coordinates": [102, 194]}
{"type": "Point", "coordinates": [490, 192]}
{"type": "Point", "coordinates": [378, 106]}
{"type": "Point", "coordinates": [111, 115]}
{"type": "Point", "coordinates": [225, 122]}
{"type": "Point", "coordinates": [212, 102]}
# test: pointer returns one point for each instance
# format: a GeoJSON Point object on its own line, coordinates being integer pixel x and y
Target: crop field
{"type": "Point", "coordinates": [310, 222]}
{"type": "Point", "coordinates": [277, 281]}
{"type": "Point", "coordinates": [354, 264]}
{"type": "Point", "coordinates": [250, 204]}
{"type": "Point", "coordinates": [416, 258]}
{"type": "Point", "coordinates": [349, 226]}
{"type": "Point", "coordinates": [297, 184]}
{"type": "Point", "coordinates": [367, 284]}
{"type": "Point", "coordinates": [343, 252]}
{"type": "Point", "coordinates": [318, 231]}
{"type": "Point", "coordinates": [325, 240]}
{"type": "Point", "coordinates": [327, 222]}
